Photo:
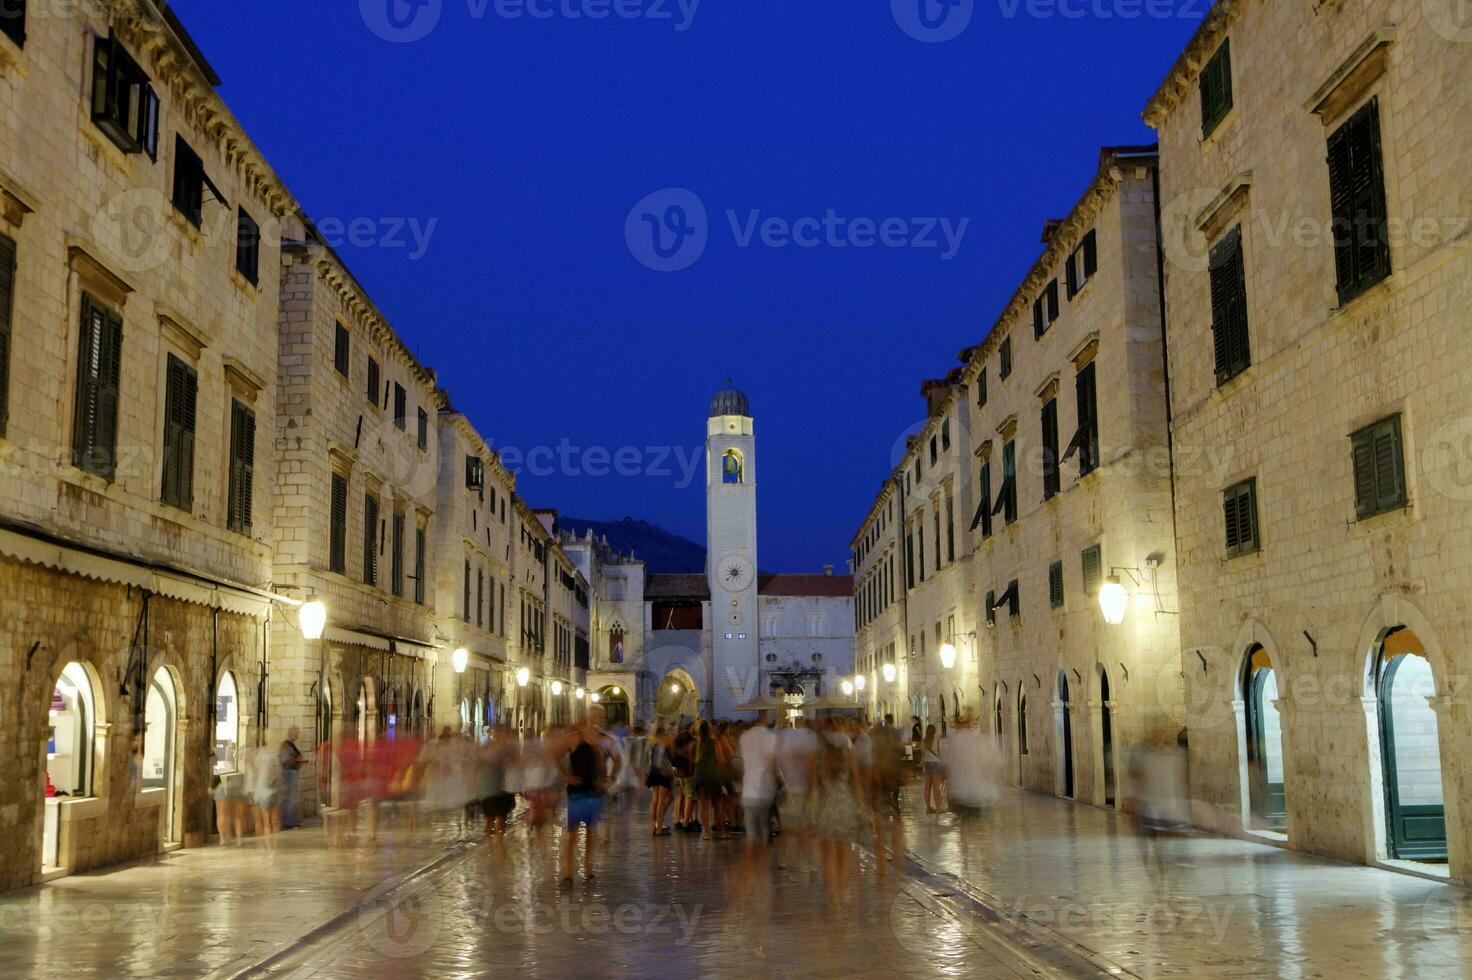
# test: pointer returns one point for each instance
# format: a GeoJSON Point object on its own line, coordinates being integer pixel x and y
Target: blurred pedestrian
{"type": "Point", "coordinates": [886, 778]}
{"type": "Point", "coordinates": [839, 793]}
{"type": "Point", "coordinates": [934, 771]}
{"type": "Point", "coordinates": [708, 781]}
{"type": "Point", "coordinates": [291, 771]}
{"type": "Point", "coordinates": [797, 750]}
{"type": "Point", "coordinates": [660, 780]}
{"type": "Point", "coordinates": [586, 750]}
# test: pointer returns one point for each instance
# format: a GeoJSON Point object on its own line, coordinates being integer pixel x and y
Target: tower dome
{"type": "Point", "coordinates": [730, 401]}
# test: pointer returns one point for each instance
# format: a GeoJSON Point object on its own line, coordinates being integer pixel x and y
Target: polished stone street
{"type": "Point", "coordinates": [1038, 887]}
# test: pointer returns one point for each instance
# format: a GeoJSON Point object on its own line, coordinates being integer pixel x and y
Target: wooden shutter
{"type": "Point", "coordinates": [1229, 307]}
{"type": "Point", "coordinates": [1216, 88]}
{"type": "Point", "coordinates": [983, 516]}
{"type": "Point", "coordinates": [396, 566]}
{"type": "Point", "coordinates": [1055, 584]}
{"type": "Point", "coordinates": [372, 392]}
{"type": "Point", "coordinates": [181, 393]}
{"type": "Point", "coordinates": [1239, 511]}
{"type": "Point", "coordinates": [1037, 317]}
{"type": "Point", "coordinates": [1006, 357]}
{"type": "Point", "coordinates": [1071, 273]}
{"type": "Point", "coordinates": [13, 21]}
{"type": "Point", "coordinates": [338, 558]}
{"type": "Point", "coordinates": [991, 608]}
{"type": "Point", "coordinates": [1357, 200]}
{"type": "Point", "coordinates": [1092, 561]}
{"type": "Point", "coordinates": [241, 497]}
{"type": "Point", "coordinates": [341, 349]}
{"type": "Point", "coordinates": [1091, 255]}
{"type": "Point", "coordinates": [419, 556]}
{"type": "Point", "coordinates": [1086, 440]}
{"type": "Point", "coordinates": [370, 540]}
{"type": "Point", "coordinates": [1051, 481]}
{"type": "Point", "coordinates": [1052, 295]}
{"type": "Point", "coordinates": [1379, 468]}
{"type": "Point", "coordinates": [7, 305]}
{"type": "Point", "coordinates": [981, 388]}
{"type": "Point", "coordinates": [99, 370]}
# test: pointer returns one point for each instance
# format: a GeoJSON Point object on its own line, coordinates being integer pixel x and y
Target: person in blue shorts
{"type": "Point", "coordinates": [585, 771]}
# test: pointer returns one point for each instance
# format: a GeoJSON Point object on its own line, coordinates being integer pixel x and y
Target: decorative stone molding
{"type": "Point", "coordinates": [94, 273]}
{"type": "Point", "coordinates": [1086, 351]}
{"type": "Point", "coordinates": [1352, 79]}
{"type": "Point", "coordinates": [182, 333]}
{"type": "Point", "coordinates": [244, 382]}
{"type": "Point", "coordinates": [1049, 388]}
{"type": "Point", "coordinates": [15, 201]}
{"type": "Point", "coordinates": [1227, 204]}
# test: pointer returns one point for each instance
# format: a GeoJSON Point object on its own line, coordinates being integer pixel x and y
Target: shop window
{"type": "Point", "coordinates": [227, 725]}
{"type": "Point", "coordinates": [69, 746]}
{"type": "Point", "coordinates": [124, 104]}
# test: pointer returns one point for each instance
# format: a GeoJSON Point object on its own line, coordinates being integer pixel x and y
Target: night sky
{"type": "Point", "coordinates": [483, 180]}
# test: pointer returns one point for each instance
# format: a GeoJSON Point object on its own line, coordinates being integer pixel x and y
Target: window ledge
{"type": "Point", "coordinates": [1368, 299]}
{"type": "Point", "coordinates": [1221, 127]}
{"type": "Point", "coordinates": [1395, 517]}
{"type": "Point", "coordinates": [176, 217]}
{"type": "Point", "coordinates": [251, 289]}
{"type": "Point", "coordinates": [10, 56]}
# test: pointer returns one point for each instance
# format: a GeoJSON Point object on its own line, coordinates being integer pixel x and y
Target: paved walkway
{"type": "Point", "coordinates": [1208, 907]}
{"type": "Point", "coordinates": [1038, 887]}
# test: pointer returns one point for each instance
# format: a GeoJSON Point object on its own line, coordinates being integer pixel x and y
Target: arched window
{"type": "Point", "coordinates": [1022, 723]}
{"type": "Point", "coordinates": [158, 736]}
{"type": "Point", "coordinates": [227, 725]}
{"type": "Point", "coordinates": [731, 467]}
{"type": "Point", "coordinates": [73, 731]}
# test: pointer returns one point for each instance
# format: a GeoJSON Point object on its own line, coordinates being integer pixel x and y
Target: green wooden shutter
{"type": "Point", "coordinates": [1231, 350]}
{"type": "Point", "coordinates": [1051, 480]}
{"type": "Point", "coordinates": [1092, 561]}
{"type": "Point", "coordinates": [181, 393]}
{"type": "Point", "coordinates": [981, 388]}
{"type": "Point", "coordinates": [1037, 317]}
{"type": "Point", "coordinates": [1239, 514]}
{"type": "Point", "coordinates": [338, 556]}
{"type": "Point", "coordinates": [1052, 295]}
{"type": "Point", "coordinates": [1216, 88]}
{"type": "Point", "coordinates": [7, 305]}
{"type": "Point", "coordinates": [396, 569]}
{"type": "Point", "coordinates": [341, 350]}
{"type": "Point", "coordinates": [1086, 440]}
{"type": "Point", "coordinates": [419, 557]}
{"type": "Point", "coordinates": [1071, 273]}
{"type": "Point", "coordinates": [1005, 356]}
{"type": "Point", "coordinates": [240, 498]}
{"type": "Point", "coordinates": [1379, 468]}
{"type": "Point", "coordinates": [1091, 255]}
{"type": "Point", "coordinates": [370, 540]}
{"type": "Point", "coordinates": [1055, 584]}
{"type": "Point", "coordinates": [99, 370]}
{"type": "Point", "coordinates": [991, 608]}
{"type": "Point", "coordinates": [1229, 512]}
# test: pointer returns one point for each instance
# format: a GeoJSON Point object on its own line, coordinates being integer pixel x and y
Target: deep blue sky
{"type": "Point", "coordinates": [529, 141]}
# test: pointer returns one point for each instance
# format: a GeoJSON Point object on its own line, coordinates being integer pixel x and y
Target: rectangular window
{"type": "Point", "coordinates": [396, 560]}
{"type": "Point", "coordinates": [1216, 88]}
{"type": "Point", "coordinates": [1012, 600]}
{"type": "Point", "coordinates": [1082, 264]}
{"type": "Point", "coordinates": [419, 563]}
{"type": "Point", "coordinates": [1051, 480]}
{"type": "Point", "coordinates": [1055, 584]}
{"type": "Point", "coordinates": [936, 520]}
{"type": "Point", "coordinates": [240, 495]}
{"type": "Point", "coordinates": [1004, 369]}
{"type": "Point", "coordinates": [945, 435]}
{"type": "Point", "coordinates": [373, 379]}
{"type": "Point", "coordinates": [181, 395]}
{"type": "Point", "coordinates": [13, 21]}
{"type": "Point", "coordinates": [934, 451]}
{"type": "Point", "coordinates": [1085, 440]}
{"type": "Point", "coordinates": [99, 370]}
{"type": "Point", "coordinates": [190, 183]}
{"type": "Point", "coordinates": [990, 610]}
{"type": "Point", "coordinates": [1045, 309]}
{"type": "Point", "coordinates": [984, 509]}
{"type": "Point", "coordinates": [423, 430]}
{"type": "Point", "coordinates": [401, 407]}
{"type": "Point", "coordinates": [981, 388]}
{"type": "Point", "coordinates": [1379, 468]}
{"type": "Point", "coordinates": [475, 474]}
{"type": "Point", "coordinates": [909, 558]}
{"type": "Point", "coordinates": [1239, 508]}
{"type": "Point", "coordinates": [1357, 198]}
{"type": "Point", "coordinates": [920, 543]}
{"type": "Point", "coordinates": [338, 554]}
{"type": "Point", "coordinates": [370, 540]}
{"type": "Point", "coordinates": [465, 614]}
{"type": "Point", "coordinates": [341, 347]}
{"type": "Point", "coordinates": [1092, 560]}
{"type": "Point", "coordinates": [124, 104]}
{"type": "Point", "coordinates": [1007, 500]}
{"type": "Point", "coordinates": [248, 247]}
{"type": "Point", "coordinates": [480, 598]}
{"type": "Point", "coordinates": [1229, 307]}
{"type": "Point", "coordinates": [7, 304]}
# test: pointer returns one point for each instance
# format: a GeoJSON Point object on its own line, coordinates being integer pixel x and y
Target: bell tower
{"type": "Point", "coordinates": [730, 564]}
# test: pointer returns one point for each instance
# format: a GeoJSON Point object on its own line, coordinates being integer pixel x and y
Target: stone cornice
{"type": "Point", "coordinates": [1219, 20]}
{"type": "Point", "coordinates": [151, 40]}
{"type": "Point", "coordinates": [1112, 170]}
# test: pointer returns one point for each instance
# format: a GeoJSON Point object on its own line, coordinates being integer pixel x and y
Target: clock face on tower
{"type": "Point", "coordinates": [734, 573]}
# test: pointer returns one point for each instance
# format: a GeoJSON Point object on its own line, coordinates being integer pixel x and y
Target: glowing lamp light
{"type": "Point", "coordinates": [848, 688]}
{"type": "Point", "coordinates": [313, 619]}
{"type": "Point", "coordinates": [522, 676]}
{"type": "Point", "coordinates": [460, 659]}
{"type": "Point", "coordinates": [947, 656]}
{"type": "Point", "coordinates": [1114, 599]}
{"type": "Point", "coordinates": [674, 688]}
{"type": "Point", "coordinates": [613, 691]}
{"type": "Point", "coordinates": [889, 673]}
{"type": "Point", "coordinates": [579, 694]}
{"type": "Point", "coordinates": [556, 689]}
{"type": "Point", "coordinates": [594, 697]}
{"type": "Point", "coordinates": [860, 681]}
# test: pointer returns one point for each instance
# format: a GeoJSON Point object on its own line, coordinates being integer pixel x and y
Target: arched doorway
{"type": "Point", "coordinates": [997, 720]}
{"type": "Point", "coordinates": [615, 702]}
{"type": "Point", "coordinates": [160, 741]}
{"type": "Point", "coordinates": [1410, 750]}
{"type": "Point", "coordinates": [366, 716]}
{"type": "Point", "coordinates": [1266, 788]}
{"type": "Point", "coordinates": [325, 748]}
{"type": "Point", "coordinates": [1064, 725]}
{"type": "Point", "coordinates": [1021, 736]}
{"type": "Point", "coordinates": [227, 724]}
{"type": "Point", "coordinates": [677, 697]}
{"type": "Point", "coordinates": [71, 755]}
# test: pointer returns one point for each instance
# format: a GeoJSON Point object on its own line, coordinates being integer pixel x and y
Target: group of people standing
{"type": "Point", "coordinates": [266, 795]}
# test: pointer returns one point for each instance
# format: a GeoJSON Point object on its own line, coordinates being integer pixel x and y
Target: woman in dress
{"type": "Point", "coordinates": [839, 795]}
{"type": "Point", "coordinates": [935, 779]}
{"type": "Point", "coordinates": [708, 781]}
{"type": "Point", "coordinates": [660, 780]}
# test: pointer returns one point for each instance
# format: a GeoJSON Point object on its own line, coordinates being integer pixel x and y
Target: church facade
{"type": "Point", "coordinates": [700, 643]}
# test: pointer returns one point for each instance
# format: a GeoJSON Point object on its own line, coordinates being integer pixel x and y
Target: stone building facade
{"type": "Point", "coordinates": [137, 361]}
{"type": "Point", "coordinates": [1042, 470]}
{"type": "Point", "coordinates": [357, 491]}
{"type": "Point", "coordinates": [1314, 213]}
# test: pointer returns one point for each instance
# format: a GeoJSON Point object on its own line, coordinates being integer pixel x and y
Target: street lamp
{"type": "Point", "coordinates": [848, 689]}
{"type": "Point", "coordinates": [947, 655]}
{"type": "Point", "coordinates": [313, 619]}
{"type": "Point", "coordinates": [460, 659]}
{"type": "Point", "coordinates": [579, 694]}
{"type": "Point", "coordinates": [613, 690]}
{"type": "Point", "coordinates": [860, 681]}
{"type": "Point", "coordinates": [557, 689]}
{"type": "Point", "coordinates": [1114, 599]}
{"type": "Point", "coordinates": [523, 675]}
{"type": "Point", "coordinates": [675, 688]}
{"type": "Point", "coordinates": [594, 697]}
{"type": "Point", "coordinates": [889, 673]}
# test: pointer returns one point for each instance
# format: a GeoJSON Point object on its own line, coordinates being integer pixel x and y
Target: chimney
{"type": "Point", "coordinates": [828, 570]}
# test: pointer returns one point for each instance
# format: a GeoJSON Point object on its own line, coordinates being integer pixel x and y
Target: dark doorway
{"type": "Point", "coordinates": [1266, 787]}
{"type": "Point", "coordinates": [1410, 750]}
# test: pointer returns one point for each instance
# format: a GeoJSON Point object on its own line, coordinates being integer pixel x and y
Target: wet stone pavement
{"type": "Point", "coordinates": [1038, 887]}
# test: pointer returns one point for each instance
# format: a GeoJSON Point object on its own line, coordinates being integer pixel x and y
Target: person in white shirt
{"type": "Point", "coordinates": [758, 780]}
{"type": "Point", "coordinates": [797, 753]}
{"type": "Point", "coordinates": [966, 760]}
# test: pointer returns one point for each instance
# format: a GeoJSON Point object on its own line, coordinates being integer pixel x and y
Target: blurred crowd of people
{"type": "Point", "coordinates": [812, 787]}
